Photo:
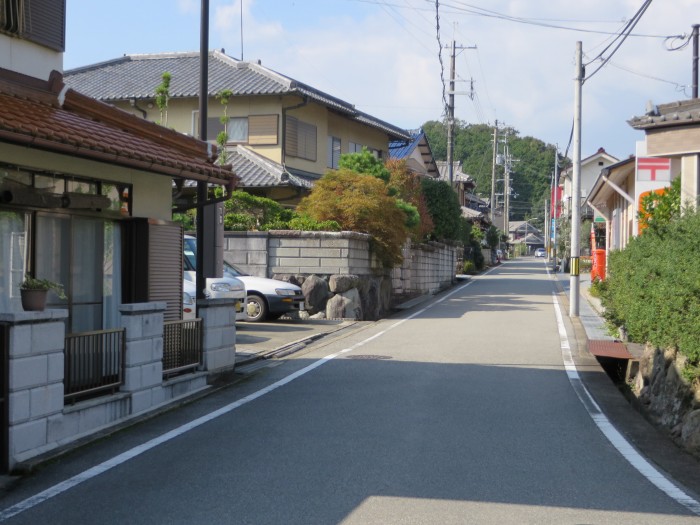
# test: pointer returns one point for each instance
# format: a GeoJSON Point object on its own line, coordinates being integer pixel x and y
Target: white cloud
{"type": "Point", "coordinates": [384, 59]}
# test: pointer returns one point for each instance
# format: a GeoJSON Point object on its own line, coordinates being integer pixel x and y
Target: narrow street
{"type": "Point", "coordinates": [458, 411]}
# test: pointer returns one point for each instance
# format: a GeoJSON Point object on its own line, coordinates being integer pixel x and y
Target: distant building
{"type": "Point", "coordinates": [590, 169]}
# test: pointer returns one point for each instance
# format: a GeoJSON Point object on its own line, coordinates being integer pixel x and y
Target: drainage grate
{"type": "Point", "coordinates": [368, 357]}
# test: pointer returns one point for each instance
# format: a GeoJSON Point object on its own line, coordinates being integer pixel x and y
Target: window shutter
{"type": "Point", "coordinates": [262, 130]}
{"type": "Point", "coordinates": [45, 23]}
{"type": "Point", "coordinates": [292, 137]}
{"type": "Point", "coordinates": [9, 16]}
{"type": "Point", "coordinates": [307, 141]}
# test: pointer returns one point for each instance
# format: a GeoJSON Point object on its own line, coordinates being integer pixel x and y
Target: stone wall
{"type": "Point", "coordinates": [337, 271]}
{"type": "Point", "coordinates": [667, 398]}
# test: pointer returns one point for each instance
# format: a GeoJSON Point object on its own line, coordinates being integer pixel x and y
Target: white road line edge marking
{"type": "Point", "coordinates": [616, 439]}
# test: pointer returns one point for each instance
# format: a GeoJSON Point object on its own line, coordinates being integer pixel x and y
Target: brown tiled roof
{"type": "Point", "coordinates": [50, 117]}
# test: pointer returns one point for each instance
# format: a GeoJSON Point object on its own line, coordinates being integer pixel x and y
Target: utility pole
{"type": "Point", "coordinates": [493, 172]}
{"type": "Point", "coordinates": [574, 277]}
{"type": "Point", "coordinates": [451, 116]}
{"type": "Point", "coordinates": [506, 185]}
{"type": "Point", "coordinates": [451, 110]}
{"type": "Point", "coordinates": [695, 60]}
{"type": "Point", "coordinates": [201, 274]}
{"type": "Point", "coordinates": [547, 226]}
{"type": "Point", "coordinates": [555, 204]}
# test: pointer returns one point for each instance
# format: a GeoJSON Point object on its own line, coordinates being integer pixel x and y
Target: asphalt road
{"type": "Point", "coordinates": [461, 411]}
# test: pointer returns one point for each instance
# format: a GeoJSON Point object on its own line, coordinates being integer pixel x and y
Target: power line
{"type": "Point", "coordinates": [621, 37]}
{"type": "Point", "coordinates": [442, 65]}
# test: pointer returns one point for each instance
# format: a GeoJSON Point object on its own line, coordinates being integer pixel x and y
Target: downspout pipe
{"type": "Point", "coordinates": [134, 105]}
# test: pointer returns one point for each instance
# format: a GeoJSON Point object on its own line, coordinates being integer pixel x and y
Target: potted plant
{"type": "Point", "coordinates": [33, 292]}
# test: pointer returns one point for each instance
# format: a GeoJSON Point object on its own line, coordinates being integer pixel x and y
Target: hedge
{"type": "Point", "coordinates": [653, 287]}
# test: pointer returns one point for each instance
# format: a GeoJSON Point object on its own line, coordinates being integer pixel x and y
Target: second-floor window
{"type": "Point", "coordinates": [300, 139]}
{"type": "Point", "coordinates": [255, 130]}
{"type": "Point", "coordinates": [333, 152]}
{"type": "Point", "coordinates": [355, 147]}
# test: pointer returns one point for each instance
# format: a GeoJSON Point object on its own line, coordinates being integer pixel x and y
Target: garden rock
{"type": "Point", "coordinates": [316, 294]}
{"type": "Point", "coordinates": [340, 283]}
{"type": "Point", "coordinates": [345, 305]}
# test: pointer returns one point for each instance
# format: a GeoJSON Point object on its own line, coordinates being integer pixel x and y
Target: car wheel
{"type": "Point", "coordinates": [256, 308]}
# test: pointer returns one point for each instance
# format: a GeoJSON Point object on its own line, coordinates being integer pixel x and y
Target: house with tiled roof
{"type": "Point", "coordinates": [590, 169]}
{"type": "Point", "coordinates": [474, 209]}
{"type": "Point", "coordinates": [417, 154]}
{"type": "Point", "coordinates": [86, 198]}
{"type": "Point", "coordinates": [672, 131]}
{"type": "Point", "coordinates": [299, 130]}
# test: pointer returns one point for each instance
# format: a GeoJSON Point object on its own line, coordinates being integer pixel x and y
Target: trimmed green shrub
{"type": "Point", "coordinates": [653, 287]}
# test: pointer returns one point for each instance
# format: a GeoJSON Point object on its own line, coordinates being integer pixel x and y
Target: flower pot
{"type": "Point", "coordinates": [33, 300]}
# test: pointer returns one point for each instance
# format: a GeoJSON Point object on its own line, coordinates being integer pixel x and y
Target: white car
{"type": "Point", "coordinates": [267, 298]}
{"type": "Point", "coordinates": [540, 252]}
{"type": "Point", "coordinates": [216, 287]}
{"type": "Point", "coordinates": [264, 298]}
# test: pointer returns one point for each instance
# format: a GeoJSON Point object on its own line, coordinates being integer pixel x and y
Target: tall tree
{"type": "Point", "coordinates": [473, 147]}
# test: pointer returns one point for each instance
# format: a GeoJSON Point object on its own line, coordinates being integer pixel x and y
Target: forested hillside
{"type": "Point", "coordinates": [532, 166]}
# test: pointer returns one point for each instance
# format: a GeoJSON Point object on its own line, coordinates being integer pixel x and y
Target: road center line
{"type": "Point", "coordinates": [616, 439]}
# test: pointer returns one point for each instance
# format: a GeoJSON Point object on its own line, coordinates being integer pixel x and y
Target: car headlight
{"type": "Point", "coordinates": [222, 287]}
{"type": "Point", "coordinates": [187, 298]}
{"type": "Point", "coordinates": [284, 291]}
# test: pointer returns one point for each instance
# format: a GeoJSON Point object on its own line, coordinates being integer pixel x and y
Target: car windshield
{"type": "Point", "coordinates": [190, 253]}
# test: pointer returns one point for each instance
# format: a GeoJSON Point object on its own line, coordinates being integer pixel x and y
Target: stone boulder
{"type": "Point", "coordinates": [316, 294]}
{"type": "Point", "coordinates": [340, 283]}
{"type": "Point", "coordinates": [690, 433]}
{"type": "Point", "coordinates": [346, 305]}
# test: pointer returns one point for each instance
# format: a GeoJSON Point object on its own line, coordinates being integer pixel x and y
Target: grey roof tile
{"type": "Point", "coordinates": [256, 171]}
{"type": "Point", "coordinates": [137, 76]}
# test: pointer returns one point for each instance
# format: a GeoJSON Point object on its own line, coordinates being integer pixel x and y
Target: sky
{"type": "Point", "coordinates": [515, 60]}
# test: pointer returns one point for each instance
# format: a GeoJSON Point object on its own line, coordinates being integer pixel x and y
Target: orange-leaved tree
{"type": "Point", "coordinates": [360, 203]}
{"type": "Point", "coordinates": [407, 186]}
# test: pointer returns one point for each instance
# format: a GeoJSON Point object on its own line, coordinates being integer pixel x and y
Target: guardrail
{"type": "Point", "coordinates": [94, 363]}
{"type": "Point", "coordinates": [182, 346]}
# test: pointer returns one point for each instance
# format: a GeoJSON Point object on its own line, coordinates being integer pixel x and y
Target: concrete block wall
{"type": "Point", "coordinates": [35, 379]}
{"type": "Point", "coordinates": [39, 420]}
{"type": "Point", "coordinates": [319, 253]}
{"type": "Point", "coordinates": [426, 268]}
{"type": "Point", "coordinates": [143, 360]}
{"type": "Point", "coordinates": [299, 253]}
{"type": "Point", "coordinates": [219, 328]}
{"type": "Point", "coordinates": [247, 251]}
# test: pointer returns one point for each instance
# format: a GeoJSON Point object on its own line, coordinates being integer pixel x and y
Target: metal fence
{"type": "Point", "coordinates": [94, 363]}
{"type": "Point", "coordinates": [182, 346]}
